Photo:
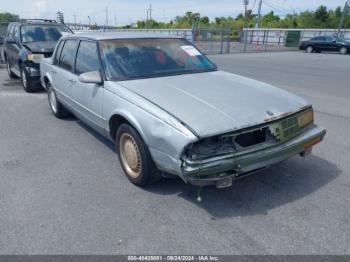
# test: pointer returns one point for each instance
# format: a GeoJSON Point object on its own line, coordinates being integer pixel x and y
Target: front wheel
{"type": "Point", "coordinates": [343, 50]}
{"type": "Point", "coordinates": [28, 84]}
{"type": "Point", "coordinates": [135, 158]}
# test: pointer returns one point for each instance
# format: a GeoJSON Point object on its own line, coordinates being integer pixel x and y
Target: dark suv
{"type": "Point", "coordinates": [26, 43]}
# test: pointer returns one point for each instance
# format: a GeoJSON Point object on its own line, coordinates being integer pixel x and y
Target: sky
{"type": "Point", "coordinates": [123, 12]}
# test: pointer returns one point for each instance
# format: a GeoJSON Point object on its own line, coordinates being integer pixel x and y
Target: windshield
{"type": "Point", "coordinates": [36, 33]}
{"type": "Point", "coordinates": [144, 58]}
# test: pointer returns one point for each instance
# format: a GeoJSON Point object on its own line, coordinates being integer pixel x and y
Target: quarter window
{"type": "Point", "coordinates": [87, 58]}
{"type": "Point", "coordinates": [68, 55]}
{"type": "Point", "coordinates": [16, 32]}
{"type": "Point", "coordinates": [10, 30]}
{"type": "Point", "coordinates": [58, 53]}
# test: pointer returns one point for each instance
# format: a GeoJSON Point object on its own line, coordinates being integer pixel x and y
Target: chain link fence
{"type": "Point", "coordinates": [220, 41]}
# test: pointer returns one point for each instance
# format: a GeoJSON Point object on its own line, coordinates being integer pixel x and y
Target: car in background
{"type": "Point", "coordinates": [26, 43]}
{"type": "Point", "coordinates": [326, 43]}
{"type": "Point", "coordinates": [171, 111]}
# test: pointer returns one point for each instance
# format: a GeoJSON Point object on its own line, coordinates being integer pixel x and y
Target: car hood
{"type": "Point", "coordinates": [41, 47]}
{"type": "Point", "coordinates": [216, 102]}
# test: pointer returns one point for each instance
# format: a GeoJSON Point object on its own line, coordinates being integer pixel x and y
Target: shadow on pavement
{"type": "Point", "coordinates": [260, 192]}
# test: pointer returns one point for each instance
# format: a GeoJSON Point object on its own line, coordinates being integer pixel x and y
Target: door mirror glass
{"type": "Point", "coordinates": [93, 77]}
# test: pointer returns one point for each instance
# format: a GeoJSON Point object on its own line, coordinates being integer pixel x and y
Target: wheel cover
{"type": "Point", "coordinates": [8, 68]}
{"type": "Point", "coordinates": [24, 78]}
{"type": "Point", "coordinates": [130, 155]}
{"type": "Point", "coordinates": [309, 49]}
{"type": "Point", "coordinates": [53, 100]}
{"type": "Point", "coordinates": [343, 50]}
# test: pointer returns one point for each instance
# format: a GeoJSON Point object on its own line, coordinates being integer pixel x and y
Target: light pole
{"type": "Point", "coordinates": [345, 11]}
{"type": "Point", "coordinates": [259, 15]}
{"type": "Point", "coordinates": [245, 32]}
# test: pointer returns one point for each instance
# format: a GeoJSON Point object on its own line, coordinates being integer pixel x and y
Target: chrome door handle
{"type": "Point", "coordinates": [72, 81]}
{"type": "Point", "coordinates": [53, 72]}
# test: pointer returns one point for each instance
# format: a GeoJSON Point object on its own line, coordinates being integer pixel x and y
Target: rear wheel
{"type": "Point", "coordinates": [309, 49]}
{"type": "Point", "coordinates": [9, 71]}
{"type": "Point", "coordinates": [28, 84]}
{"type": "Point", "coordinates": [343, 50]}
{"type": "Point", "coordinates": [135, 158]}
{"type": "Point", "coordinates": [56, 107]}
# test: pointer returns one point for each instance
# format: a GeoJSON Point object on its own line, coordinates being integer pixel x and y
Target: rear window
{"type": "Point", "coordinates": [68, 55]}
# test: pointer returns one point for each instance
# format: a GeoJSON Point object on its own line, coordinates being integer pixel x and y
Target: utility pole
{"type": "Point", "coordinates": [115, 20]}
{"type": "Point", "coordinates": [75, 21]}
{"type": "Point", "coordinates": [257, 25]}
{"type": "Point", "coordinates": [106, 16]}
{"type": "Point", "coordinates": [345, 12]}
{"type": "Point", "coordinates": [245, 3]}
{"type": "Point", "coordinates": [150, 12]}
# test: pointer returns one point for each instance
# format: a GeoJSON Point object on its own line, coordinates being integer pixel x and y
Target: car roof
{"type": "Point", "coordinates": [117, 35]}
{"type": "Point", "coordinates": [35, 23]}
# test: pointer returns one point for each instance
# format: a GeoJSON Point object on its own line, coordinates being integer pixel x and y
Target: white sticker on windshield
{"type": "Point", "coordinates": [190, 50]}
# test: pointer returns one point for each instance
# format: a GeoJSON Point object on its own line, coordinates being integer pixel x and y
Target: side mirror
{"type": "Point", "coordinates": [93, 77]}
{"type": "Point", "coordinates": [10, 41]}
{"type": "Point", "coordinates": [334, 41]}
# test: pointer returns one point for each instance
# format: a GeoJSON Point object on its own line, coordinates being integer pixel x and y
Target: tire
{"type": "Point", "coordinates": [309, 49]}
{"type": "Point", "coordinates": [9, 71]}
{"type": "Point", "coordinates": [343, 50]}
{"type": "Point", "coordinates": [57, 108]}
{"type": "Point", "coordinates": [135, 158]}
{"type": "Point", "coordinates": [28, 85]}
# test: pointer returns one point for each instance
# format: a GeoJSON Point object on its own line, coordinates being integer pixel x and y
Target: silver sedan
{"type": "Point", "coordinates": [170, 110]}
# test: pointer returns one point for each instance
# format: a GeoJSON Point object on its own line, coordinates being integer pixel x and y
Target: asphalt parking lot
{"type": "Point", "coordinates": [62, 190]}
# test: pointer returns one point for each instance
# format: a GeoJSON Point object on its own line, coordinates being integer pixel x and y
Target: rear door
{"type": "Point", "coordinates": [322, 44]}
{"type": "Point", "coordinates": [9, 47]}
{"type": "Point", "coordinates": [64, 78]}
{"type": "Point", "coordinates": [16, 48]}
{"type": "Point", "coordinates": [89, 97]}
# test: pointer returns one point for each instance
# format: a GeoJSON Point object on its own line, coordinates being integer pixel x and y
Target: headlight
{"type": "Point", "coordinates": [36, 58]}
{"type": "Point", "coordinates": [306, 118]}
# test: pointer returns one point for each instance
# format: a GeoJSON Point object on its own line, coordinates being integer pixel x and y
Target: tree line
{"type": "Point", "coordinates": [322, 17]}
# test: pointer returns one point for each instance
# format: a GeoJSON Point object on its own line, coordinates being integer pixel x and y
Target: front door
{"type": "Point", "coordinates": [89, 97]}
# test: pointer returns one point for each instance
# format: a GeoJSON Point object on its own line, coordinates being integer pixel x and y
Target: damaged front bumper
{"type": "Point", "coordinates": [222, 170]}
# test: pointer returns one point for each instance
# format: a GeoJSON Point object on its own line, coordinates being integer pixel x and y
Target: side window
{"type": "Point", "coordinates": [330, 38]}
{"type": "Point", "coordinates": [68, 55]}
{"type": "Point", "coordinates": [10, 30]}
{"type": "Point", "coordinates": [87, 58]}
{"type": "Point", "coordinates": [10, 34]}
{"type": "Point", "coordinates": [58, 52]}
{"type": "Point", "coordinates": [16, 32]}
